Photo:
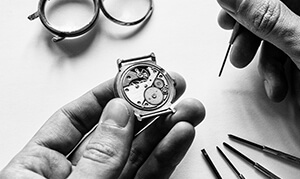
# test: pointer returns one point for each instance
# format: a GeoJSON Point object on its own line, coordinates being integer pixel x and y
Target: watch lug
{"type": "Point", "coordinates": [153, 58]}
{"type": "Point", "coordinates": [119, 63]}
{"type": "Point", "coordinates": [139, 117]}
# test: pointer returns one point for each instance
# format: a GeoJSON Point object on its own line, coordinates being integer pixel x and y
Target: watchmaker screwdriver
{"type": "Point", "coordinates": [254, 164]}
{"type": "Point", "coordinates": [235, 32]}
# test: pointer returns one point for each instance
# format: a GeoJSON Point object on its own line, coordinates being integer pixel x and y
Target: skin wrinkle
{"type": "Point", "coordinates": [108, 149]}
{"type": "Point", "coordinates": [110, 93]}
{"type": "Point", "coordinates": [136, 156]}
{"type": "Point", "coordinates": [79, 120]}
{"type": "Point", "coordinates": [264, 18]}
{"type": "Point", "coordinates": [75, 120]}
{"type": "Point", "coordinates": [18, 172]}
{"type": "Point", "coordinates": [52, 140]}
{"type": "Point", "coordinates": [29, 163]}
{"type": "Point", "coordinates": [99, 152]}
{"type": "Point", "coordinates": [50, 161]}
{"type": "Point", "coordinates": [281, 32]}
{"type": "Point", "coordinates": [53, 164]}
{"type": "Point", "coordinates": [291, 40]}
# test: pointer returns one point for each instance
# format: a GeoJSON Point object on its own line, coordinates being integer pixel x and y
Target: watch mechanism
{"type": "Point", "coordinates": [146, 87]}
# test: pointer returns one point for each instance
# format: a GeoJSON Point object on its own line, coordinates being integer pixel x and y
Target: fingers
{"type": "Point", "coordinates": [107, 151]}
{"type": "Point", "coordinates": [188, 110]}
{"type": "Point", "coordinates": [245, 45]}
{"type": "Point", "coordinates": [168, 153]}
{"type": "Point", "coordinates": [271, 20]}
{"type": "Point", "coordinates": [180, 84]}
{"type": "Point", "coordinates": [68, 125]}
{"type": "Point", "coordinates": [225, 20]}
{"type": "Point", "coordinates": [271, 68]}
{"type": "Point", "coordinates": [244, 48]}
{"type": "Point", "coordinates": [295, 85]}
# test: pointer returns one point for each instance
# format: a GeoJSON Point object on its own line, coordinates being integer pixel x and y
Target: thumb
{"type": "Point", "coordinates": [107, 151]}
{"type": "Point", "coordinates": [271, 20]}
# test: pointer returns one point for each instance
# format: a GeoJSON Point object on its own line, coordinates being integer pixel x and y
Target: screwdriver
{"type": "Point", "coordinates": [239, 175]}
{"type": "Point", "coordinates": [211, 164]}
{"type": "Point", "coordinates": [267, 149]}
{"type": "Point", "coordinates": [256, 165]}
{"type": "Point", "coordinates": [235, 32]}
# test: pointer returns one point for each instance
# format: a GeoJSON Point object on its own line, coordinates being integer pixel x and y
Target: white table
{"type": "Point", "coordinates": [39, 76]}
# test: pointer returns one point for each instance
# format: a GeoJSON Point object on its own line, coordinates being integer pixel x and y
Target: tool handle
{"type": "Point", "coordinates": [241, 176]}
{"type": "Point", "coordinates": [235, 32]}
{"type": "Point", "coordinates": [265, 171]}
{"type": "Point", "coordinates": [282, 155]}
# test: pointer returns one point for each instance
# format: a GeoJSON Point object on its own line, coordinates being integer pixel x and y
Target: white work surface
{"type": "Point", "coordinates": [39, 76]}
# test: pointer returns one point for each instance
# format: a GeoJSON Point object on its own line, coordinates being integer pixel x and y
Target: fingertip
{"type": "Point", "coordinates": [117, 113]}
{"type": "Point", "coordinates": [244, 48]}
{"type": "Point", "coordinates": [225, 20]}
{"type": "Point", "coordinates": [238, 58]}
{"type": "Point", "coordinates": [276, 89]}
{"type": "Point", "coordinates": [180, 137]}
{"type": "Point", "coordinates": [179, 80]}
{"type": "Point", "coordinates": [104, 92]}
{"type": "Point", "coordinates": [191, 110]}
{"type": "Point", "coordinates": [180, 84]}
{"type": "Point", "coordinates": [275, 82]}
{"type": "Point", "coordinates": [169, 152]}
{"type": "Point", "coordinates": [185, 130]}
{"type": "Point", "coordinates": [272, 70]}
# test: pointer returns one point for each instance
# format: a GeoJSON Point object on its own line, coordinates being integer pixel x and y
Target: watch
{"type": "Point", "coordinates": [147, 87]}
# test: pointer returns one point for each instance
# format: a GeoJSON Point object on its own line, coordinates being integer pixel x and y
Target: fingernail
{"type": "Point", "coordinates": [230, 5]}
{"type": "Point", "coordinates": [116, 114]}
{"type": "Point", "coordinates": [268, 88]}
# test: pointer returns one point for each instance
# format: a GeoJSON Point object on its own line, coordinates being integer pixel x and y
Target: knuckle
{"type": "Point", "coordinates": [136, 156]}
{"type": "Point", "coordinates": [76, 120]}
{"type": "Point", "coordinates": [266, 16]}
{"type": "Point", "coordinates": [101, 153]}
{"type": "Point", "coordinates": [80, 115]}
{"type": "Point", "coordinates": [6, 174]}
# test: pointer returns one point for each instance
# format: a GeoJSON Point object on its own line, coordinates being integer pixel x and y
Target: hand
{"type": "Point", "coordinates": [276, 24]}
{"type": "Point", "coordinates": [110, 151]}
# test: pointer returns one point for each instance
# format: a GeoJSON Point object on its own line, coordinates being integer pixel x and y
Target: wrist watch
{"type": "Point", "coordinates": [147, 87]}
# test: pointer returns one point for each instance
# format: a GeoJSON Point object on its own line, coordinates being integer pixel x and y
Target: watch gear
{"type": "Point", "coordinates": [145, 85]}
